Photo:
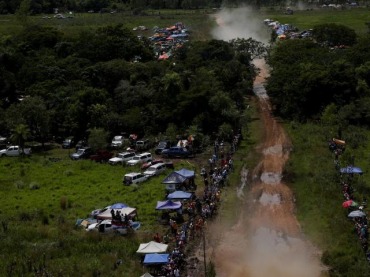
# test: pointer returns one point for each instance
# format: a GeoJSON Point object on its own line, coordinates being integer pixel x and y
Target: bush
{"type": "Point", "coordinates": [19, 184]}
{"type": "Point", "coordinates": [64, 202]}
{"type": "Point", "coordinates": [34, 185]}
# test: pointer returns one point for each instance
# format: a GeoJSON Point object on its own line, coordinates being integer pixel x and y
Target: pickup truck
{"type": "Point", "coordinates": [14, 151]}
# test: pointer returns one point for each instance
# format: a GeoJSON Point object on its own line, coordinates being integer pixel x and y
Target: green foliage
{"type": "Point", "coordinates": [20, 134]}
{"type": "Point", "coordinates": [98, 138]}
{"type": "Point", "coordinates": [109, 43]}
{"type": "Point", "coordinates": [23, 11]}
{"type": "Point", "coordinates": [332, 34]}
{"type": "Point", "coordinates": [307, 77]}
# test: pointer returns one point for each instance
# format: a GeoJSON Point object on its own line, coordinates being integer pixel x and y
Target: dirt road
{"type": "Point", "coordinates": [267, 240]}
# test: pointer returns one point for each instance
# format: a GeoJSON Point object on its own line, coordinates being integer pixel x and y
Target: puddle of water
{"type": "Point", "coordinates": [260, 91]}
{"type": "Point", "coordinates": [270, 199]}
{"type": "Point", "coordinates": [274, 150]}
{"type": "Point", "coordinates": [271, 178]}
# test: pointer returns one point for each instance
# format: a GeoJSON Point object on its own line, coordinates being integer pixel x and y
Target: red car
{"type": "Point", "coordinates": [101, 156]}
{"type": "Point", "coordinates": [155, 161]}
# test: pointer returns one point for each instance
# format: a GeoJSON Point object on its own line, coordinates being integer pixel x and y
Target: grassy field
{"type": "Point", "coordinates": [199, 22]}
{"type": "Point", "coordinates": [316, 184]}
{"type": "Point", "coordinates": [43, 196]}
{"type": "Point", "coordinates": [306, 19]}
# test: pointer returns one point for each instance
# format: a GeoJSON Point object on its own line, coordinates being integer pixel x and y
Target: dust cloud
{"type": "Point", "coordinates": [267, 239]}
{"type": "Point", "coordinates": [240, 23]}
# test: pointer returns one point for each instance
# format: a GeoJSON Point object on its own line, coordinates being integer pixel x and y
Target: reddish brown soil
{"type": "Point", "coordinates": [267, 240]}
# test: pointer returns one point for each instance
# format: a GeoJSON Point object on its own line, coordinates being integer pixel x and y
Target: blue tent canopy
{"type": "Point", "coordinates": [351, 170]}
{"type": "Point", "coordinates": [174, 178]}
{"type": "Point", "coordinates": [151, 259]}
{"type": "Point", "coordinates": [118, 206]}
{"type": "Point", "coordinates": [186, 173]}
{"type": "Point", "coordinates": [168, 205]}
{"type": "Point", "coordinates": [179, 176]}
{"type": "Point", "coordinates": [179, 195]}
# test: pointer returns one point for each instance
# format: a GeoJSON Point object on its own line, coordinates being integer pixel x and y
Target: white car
{"type": "Point", "coordinates": [121, 158]}
{"type": "Point", "coordinates": [134, 178]}
{"type": "Point", "coordinates": [140, 159]}
{"type": "Point", "coordinates": [155, 169]}
{"type": "Point", "coordinates": [106, 226]}
{"type": "Point", "coordinates": [117, 142]}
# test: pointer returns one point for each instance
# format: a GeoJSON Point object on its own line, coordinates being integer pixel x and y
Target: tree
{"type": "Point", "coordinates": [111, 42]}
{"type": "Point", "coordinates": [23, 12]}
{"type": "Point", "coordinates": [333, 34]}
{"type": "Point", "coordinates": [98, 138]}
{"type": "Point", "coordinates": [171, 132]}
{"type": "Point", "coordinates": [20, 134]}
{"type": "Point", "coordinates": [37, 117]}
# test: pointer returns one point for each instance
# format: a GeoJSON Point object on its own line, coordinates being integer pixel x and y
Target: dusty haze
{"type": "Point", "coordinates": [240, 23]}
{"type": "Point", "coordinates": [267, 240]}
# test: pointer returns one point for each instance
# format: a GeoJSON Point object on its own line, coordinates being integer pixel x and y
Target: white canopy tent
{"type": "Point", "coordinates": [108, 215]}
{"type": "Point", "coordinates": [152, 247]}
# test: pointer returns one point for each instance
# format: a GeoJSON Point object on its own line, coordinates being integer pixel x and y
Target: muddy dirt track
{"type": "Point", "coordinates": [267, 239]}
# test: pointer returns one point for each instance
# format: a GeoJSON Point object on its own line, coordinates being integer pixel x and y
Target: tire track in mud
{"type": "Point", "coordinates": [267, 240]}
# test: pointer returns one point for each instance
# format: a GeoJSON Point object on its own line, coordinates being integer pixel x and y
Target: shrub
{"type": "Point", "coordinates": [19, 184]}
{"type": "Point", "coordinates": [64, 202]}
{"type": "Point", "coordinates": [34, 185]}
{"type": "Point", "coordinates": [24, 216]}
{"type": "Point", "coordinates": [68, 172]}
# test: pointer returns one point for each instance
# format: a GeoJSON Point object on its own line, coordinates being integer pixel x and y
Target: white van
{"type": "Point", "coordinates": [134, 178]}
{"type": "Point", "coordinates": [155, 169]}
{"type": "Point", "coordinates": [140, 159]}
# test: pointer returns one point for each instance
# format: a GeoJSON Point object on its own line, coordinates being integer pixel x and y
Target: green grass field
{"type": "Point", "coordinates": [303, 20]}
{"type": "Point", "coordinates": [316, 184]}
{"type": "Point", "coordinates": [199, 22]}
{"type": "Point", "coordinates": [41, 200]}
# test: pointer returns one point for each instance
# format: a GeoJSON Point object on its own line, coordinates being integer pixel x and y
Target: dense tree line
{"type": "Point", "coordinates": [59, 86]}
{"type": "Point", "coordinates": [327, 78]}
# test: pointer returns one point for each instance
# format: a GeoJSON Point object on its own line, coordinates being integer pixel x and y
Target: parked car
{"type": "Point", "coordinates": [80, 144]}
{"type": "Point", "coordinates": [142, 145]}
{"type": "Point", "coordinates": [153, 162]}
{"type": "Point", "coordinates": [82, 153]}
{"type": "Point", "coordinates": [176, 152]}
{"type": "Point", "coordinates": [15, 151]}
{"type": "Point", "coordinates": [155, 169]}
{"type": "Point", "coordinates": [106, 226]}
{"type": "Point", "coordinates": [134, 178]}
{"type": "Point", "coordinates": [122, 158]}
{"type": "Point", "coordinates": [117, 142]}
{"type": "Point", "coordinates": [165, 144]}
{"type": "Point", "coordinates": [140, 159]}
{"type": "Point", "coordinates": [101, 156]}
{"type": "Point", "coordinates": [68, 143]}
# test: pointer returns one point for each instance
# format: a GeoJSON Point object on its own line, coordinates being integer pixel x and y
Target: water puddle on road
{"type": "Point", "coordinates": [269, 199]}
